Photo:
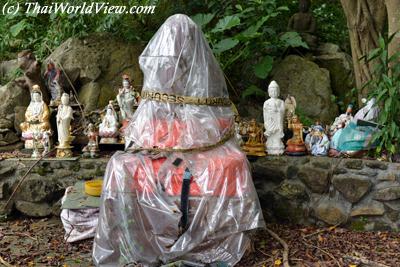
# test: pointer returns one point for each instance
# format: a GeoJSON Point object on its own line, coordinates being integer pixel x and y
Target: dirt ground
{"type": "Point", "coordinates": [39, 242]}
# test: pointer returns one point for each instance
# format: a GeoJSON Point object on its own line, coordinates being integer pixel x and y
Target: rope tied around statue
{"type": "Point", "coordinates": [185, 100]}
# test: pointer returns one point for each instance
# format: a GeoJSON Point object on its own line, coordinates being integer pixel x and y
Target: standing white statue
{"type": "Point", "coordinates": [64, 117]}
{"type": "Point", "coordinates": [274, 112]}
{"type": "Point", "coordinates": [127, 98]}
{"type": "Point", "coordinates": [108, 128]}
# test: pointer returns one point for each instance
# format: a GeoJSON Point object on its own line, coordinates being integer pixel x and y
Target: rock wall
{"type": "Point", "coordinates": [359, 194]}
{"type": "Point", "coordinates": [41, 192]}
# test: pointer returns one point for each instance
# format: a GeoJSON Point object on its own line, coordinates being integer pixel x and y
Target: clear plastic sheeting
{"type": "Point", "coordinates": [141, 207]}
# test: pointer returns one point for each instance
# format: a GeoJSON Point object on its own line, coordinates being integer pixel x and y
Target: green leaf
{"type": "Point", "coordinates": [225, 45]}
{"type": "Point", "coordinates": [17, 28]}
{"type": "Point", "coordinates": [253, 90]}
{"type": "Point", "coordinates": [252, 31]}
{"type": "Point", "coordinates": [202, 19]}
{"type": "Point", "coordinates": [227, 23]}
{"type": "Point", "coordinates": [239, 7]}
{"type": "Point", "coordinates": [263, 68]}
{"type": "Point", "coordinates": [282, 8]}
{"type": "Point", "coordinates": [374, 54]}
{"type": "Point", "coordinates": [381, 41]}
{"type": "Point", "coordinates": [293, 39]}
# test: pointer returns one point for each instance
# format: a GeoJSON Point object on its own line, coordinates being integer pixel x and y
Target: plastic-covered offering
{"type": "Point", "coordinates": [184, 191]}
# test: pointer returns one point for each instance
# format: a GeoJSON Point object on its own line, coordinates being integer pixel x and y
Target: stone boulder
{"type": "Point", "coordinates": [353, 187]}
{"type": "Point", "coordinates": [314, 178]}
{"type": "Point", "coordinates": [340, 67]}
{"type": "Point", "coordinates": [11, 95]}
{"type": "Point", "coordinates": [7, 69]}
{"type": "Point", "coordinates": [95, 64]}
{"type": "Point", "coordinates": [332, 211]}
{"type": "Point", "coordinates": [309, 84]}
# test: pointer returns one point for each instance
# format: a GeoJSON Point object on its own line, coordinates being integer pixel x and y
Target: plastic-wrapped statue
{"type": "Point", "coordinates": [185, 191]}
{"type": "Point", "coordinates": [343, 118]}
{"type": "Point", "coordinates": [92, 148]}
{"type": "Point", "coordinates": [64, 117]}
{"type": "Point", "coordinates": [318, 141]}
{"type": "Point", "coordinates": [36, 117]}
{"type": "Point", "coordinates": [274, 112]}
{"type": "Point", "coordinates": [127, 98]}
{"type": "Point", "coordinates": [108, 128]}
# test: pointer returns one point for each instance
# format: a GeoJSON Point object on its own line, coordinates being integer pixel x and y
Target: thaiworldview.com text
{"type": "Point", "coordinates": [86, 8]}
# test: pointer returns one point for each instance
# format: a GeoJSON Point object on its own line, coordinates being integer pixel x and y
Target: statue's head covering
{"type": "Point", "coordinates": [179, 62]}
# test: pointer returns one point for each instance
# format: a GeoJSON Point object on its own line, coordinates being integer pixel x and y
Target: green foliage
{"type": "Point", "coordinates": [253, 90]}
{"type": "Point", "coordinates": [42, 33]}
{"type": "Point", "coordinates": [292, 39]}
{"type": "Point", "coordinates": [263, 68]}
{"type": "Point", "coordinates": [385, 88]}
{"type": "Point", "coordinates": [240, 32]}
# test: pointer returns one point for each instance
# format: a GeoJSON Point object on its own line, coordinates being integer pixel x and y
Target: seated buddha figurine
{"type": "Point", "coordinates": [295, 145]}
{"type": "Point", "coordinates": [254, 146]}
{"type": "Point", "coordinates": [304, 23]}
{"type": "Point", "coordinates": [36, 117]}
{"type": "Point", "coordinates": [108, 128]}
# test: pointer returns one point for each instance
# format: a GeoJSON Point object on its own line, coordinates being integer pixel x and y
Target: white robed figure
{"type": "Point", "coordinates": [274, 111]}
{"type": "Point", "coordinates": [64, 117]}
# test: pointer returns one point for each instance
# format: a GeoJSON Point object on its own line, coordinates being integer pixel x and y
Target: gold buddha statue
{"type": "Point", "coordinates": [36, 118]}
{"type": "Point", "coordinates": [295, 145]}
{"type": "Point", "coordinates": [254, 146]}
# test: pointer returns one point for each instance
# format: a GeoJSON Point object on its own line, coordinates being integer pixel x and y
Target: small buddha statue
{"type": "Point", "coordinates": [304, 23]}
{"type": "Point", "coordinates": [108, 128]}
{"type": "Point", "coordinates": [36, 117]}
{"type": "Point", "coordinates": [254, 146]}
{"type": "Point", "coordinates": [295, 145]}
{"type": "Point", "coordinates": [127, 98]}
{"type": "Point", "coordinates": [64, 117]}
{"type": "Point", "coordinates": [274, 112]}
{"type": "Point", "coordinates": [92, 148]}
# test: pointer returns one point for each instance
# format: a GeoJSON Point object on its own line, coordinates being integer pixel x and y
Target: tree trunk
{"type": "Point", "coordinates": [393, 11]}
{"type": "Point", "coordinates": [366, 20]}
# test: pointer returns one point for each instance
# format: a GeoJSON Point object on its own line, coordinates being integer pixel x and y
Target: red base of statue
{"type": "Point", "coordinates": [296, 149]}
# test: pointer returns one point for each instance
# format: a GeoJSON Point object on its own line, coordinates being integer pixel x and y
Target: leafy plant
{"type": "Point", "coordinates": [239, 33]}
{"type": "Point", "coordinates": [385, 87]}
